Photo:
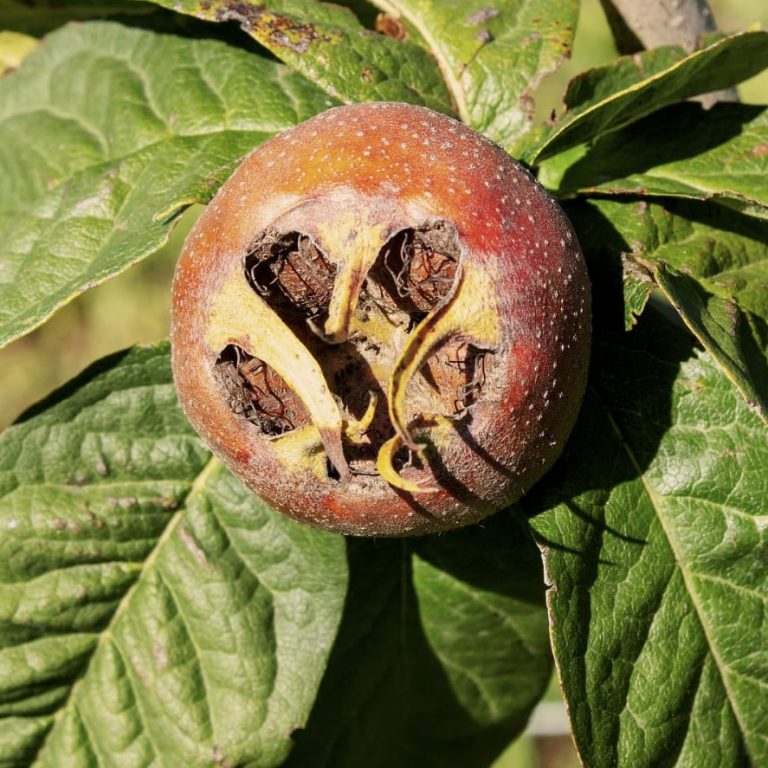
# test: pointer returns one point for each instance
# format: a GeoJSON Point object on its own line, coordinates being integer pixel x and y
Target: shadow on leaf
{"type": "Point", "coordinates": [424, 620]}
{"type": "Point", "coordinates": [652, 142]}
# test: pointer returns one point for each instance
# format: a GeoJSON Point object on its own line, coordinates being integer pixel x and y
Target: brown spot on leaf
{"type": "Point", "coordinates": [481, 16]}
{"type": "Point", "coordinates": [125, 502]}
{"type": "Point", "coordinates": [161, 657]}
{"type": "Point", "coordinates": [391, 26]}
{"type": "Point", "coordinates": [280, 31]}
{"type": "Point", "coordinates": [189, 542]}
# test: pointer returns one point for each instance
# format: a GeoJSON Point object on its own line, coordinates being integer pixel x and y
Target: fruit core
{"type": "Point", "coordinates": [413, 350]}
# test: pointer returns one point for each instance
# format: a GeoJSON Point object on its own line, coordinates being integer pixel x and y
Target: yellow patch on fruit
{"type": "Point", "coordinates": [471, 306]}
{"type": "Point", "coordinates": [239, 316]}
{"type": "Point", "coordinates": [355, 243]}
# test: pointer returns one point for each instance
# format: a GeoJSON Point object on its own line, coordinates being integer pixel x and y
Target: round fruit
{"type": "Point", "coordinates": [381, 323]}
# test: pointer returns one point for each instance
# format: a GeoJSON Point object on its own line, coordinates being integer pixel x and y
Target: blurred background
{"type": "Point", "coordinates": [134, 307]}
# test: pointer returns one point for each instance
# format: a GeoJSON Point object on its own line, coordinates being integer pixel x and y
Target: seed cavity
{"type": "Point", "coordinates": [257, 393]}
{"type": "Point", "coordinates": [291, 273]}
{"type": "Point", "coordinates": [457, 371]}
{"type": "Point", "coordinates": [414, 354]}
{"type": "Point", "coordinates": [418, 267]}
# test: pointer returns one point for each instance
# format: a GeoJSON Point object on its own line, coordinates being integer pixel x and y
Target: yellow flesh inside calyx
{"type": "Point", "coordinates": [359, 315]}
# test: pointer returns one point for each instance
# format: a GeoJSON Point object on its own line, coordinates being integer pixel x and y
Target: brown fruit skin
{"type": "Point", "coordinates": [406, 162]}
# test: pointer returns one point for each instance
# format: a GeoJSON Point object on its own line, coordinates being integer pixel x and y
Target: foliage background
{"type": "Point", "coordinates": [134, 307]}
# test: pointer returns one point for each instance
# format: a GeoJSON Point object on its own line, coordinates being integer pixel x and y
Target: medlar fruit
{"type": "Point", "coordinates": [381, 323]}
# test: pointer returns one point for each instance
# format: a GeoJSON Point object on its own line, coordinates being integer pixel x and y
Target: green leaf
{"type": "Point", "coordinates": [151, 609]}
{"type": "Point", "coordinates": [638, 287]}
{"type": "Point", "coordinates": [737, 339]}
{"type": "Point", "coordinates": [106, 134]}
{"type": "Point", "coordinates": [710, 262]}
{"type": "Point", "coordinates": [620, 101]}
{"type": "Point", "coordinates": [493, 56]}
{"type": "Point", "coordinates": [442, 652]}
{"type": "Point", "coordinates": [682, 151]}
{"type": "Point", "coordinates": [594, 85]}
{"type": "Point", "coordinates": [328, 45]}
{"type": "Point", "coordinates": [655, 538]}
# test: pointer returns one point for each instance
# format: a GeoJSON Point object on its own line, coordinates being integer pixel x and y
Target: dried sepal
{"type": "Point", "coordinates": [240, 317]}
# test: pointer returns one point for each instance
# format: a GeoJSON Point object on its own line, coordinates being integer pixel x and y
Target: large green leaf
{"type": "Point", "coordinates": [493, 56]}
{"type": "Point", "coordinates": [621, 99]}
{"type": "Point", "coordinates": [720, 153]}
{"type": "Point", "coordinates": [106, 133]}
{"type": "Point", "coordinates": [327, 44]}
{"type": "Point", "coordinates": [442, 653]}
{"type": "Point", "coordinates": [152, 611]}
{"type": "Point", "coordinates": [655, 538]}
{"type": "Point", "coordinates": [710, 262]}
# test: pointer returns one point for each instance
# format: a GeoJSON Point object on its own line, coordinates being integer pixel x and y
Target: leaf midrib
{"type": "Point", "coordinates": [657, 502]}
{"type": "Point", "coordinates": [436, 50]}
{"type": "Point", "coordinates": [634, 90]}
{"type": "Point", "coordinates": [197, 487]}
